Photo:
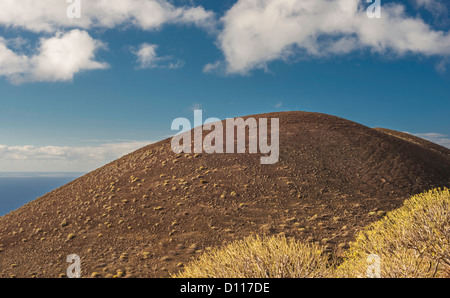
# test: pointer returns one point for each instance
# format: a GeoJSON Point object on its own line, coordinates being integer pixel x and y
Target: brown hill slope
{"type": "Point", "coordinates": [416, 140]}
{"type": "Point", "coordinates": [152, 210]}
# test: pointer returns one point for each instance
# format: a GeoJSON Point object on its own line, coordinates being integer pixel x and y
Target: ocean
{"type": "Point", "coordinates": [18, 189]}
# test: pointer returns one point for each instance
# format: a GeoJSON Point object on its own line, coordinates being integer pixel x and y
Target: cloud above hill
{"type": "Point", "coordinates": [51, 15]}
{"type": "Point", "coordinates": [66, 47]}
{"type": "Point", "coordinates": [256, 32]}
{"type": "Point", "coordinates": [57, 58]}
{"type": "Point", "coordinates": [250, 35]}
{"type": "Point", "coordinates": [148, 58]}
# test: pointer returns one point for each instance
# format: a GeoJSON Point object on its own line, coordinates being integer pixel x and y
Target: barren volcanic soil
{"type": "Point", "coordinates": [152, 211]}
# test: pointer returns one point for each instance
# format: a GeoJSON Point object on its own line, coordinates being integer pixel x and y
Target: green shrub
{"type": "Point", "coordinates": [412, 241]}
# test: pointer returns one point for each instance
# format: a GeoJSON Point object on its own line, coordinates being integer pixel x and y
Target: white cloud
{"type": "Point", "coordinates": [146, 55]}
{"type": "Point", "coordinates": [256, 32]}
{"type": "Point", "coordinates": [441, 66]}
{"type": "Point", "coordinates": [437, 138]}
{"type": "Point", "coordinates": [148, 58]}
{"type": "Point", "coordinates": [175, 64]}
{"type": "Point", "coordinates": [51, 15]}
{"type": "Point", "coordinates": [11, 63]}
{"type": "Point", "coordinates": [215, 67]}
{"type": "Point", "coordinates": [62, 56]}
{"type": "Point", "coordinates": [436, 7]}
{"type": "Point", "coordinates": [58, 58]}
{"type": "Point", "coordinates": [59, 158]}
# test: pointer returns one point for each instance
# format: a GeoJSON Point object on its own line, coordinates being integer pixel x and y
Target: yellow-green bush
{"type": "Point", "coordinates": [260, 257]}
{"type": "Point", "coordinates": [412, 241]}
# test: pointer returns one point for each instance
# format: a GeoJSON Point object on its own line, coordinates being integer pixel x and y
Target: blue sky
{"type": "Point", "coordinates": [122, 77]}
